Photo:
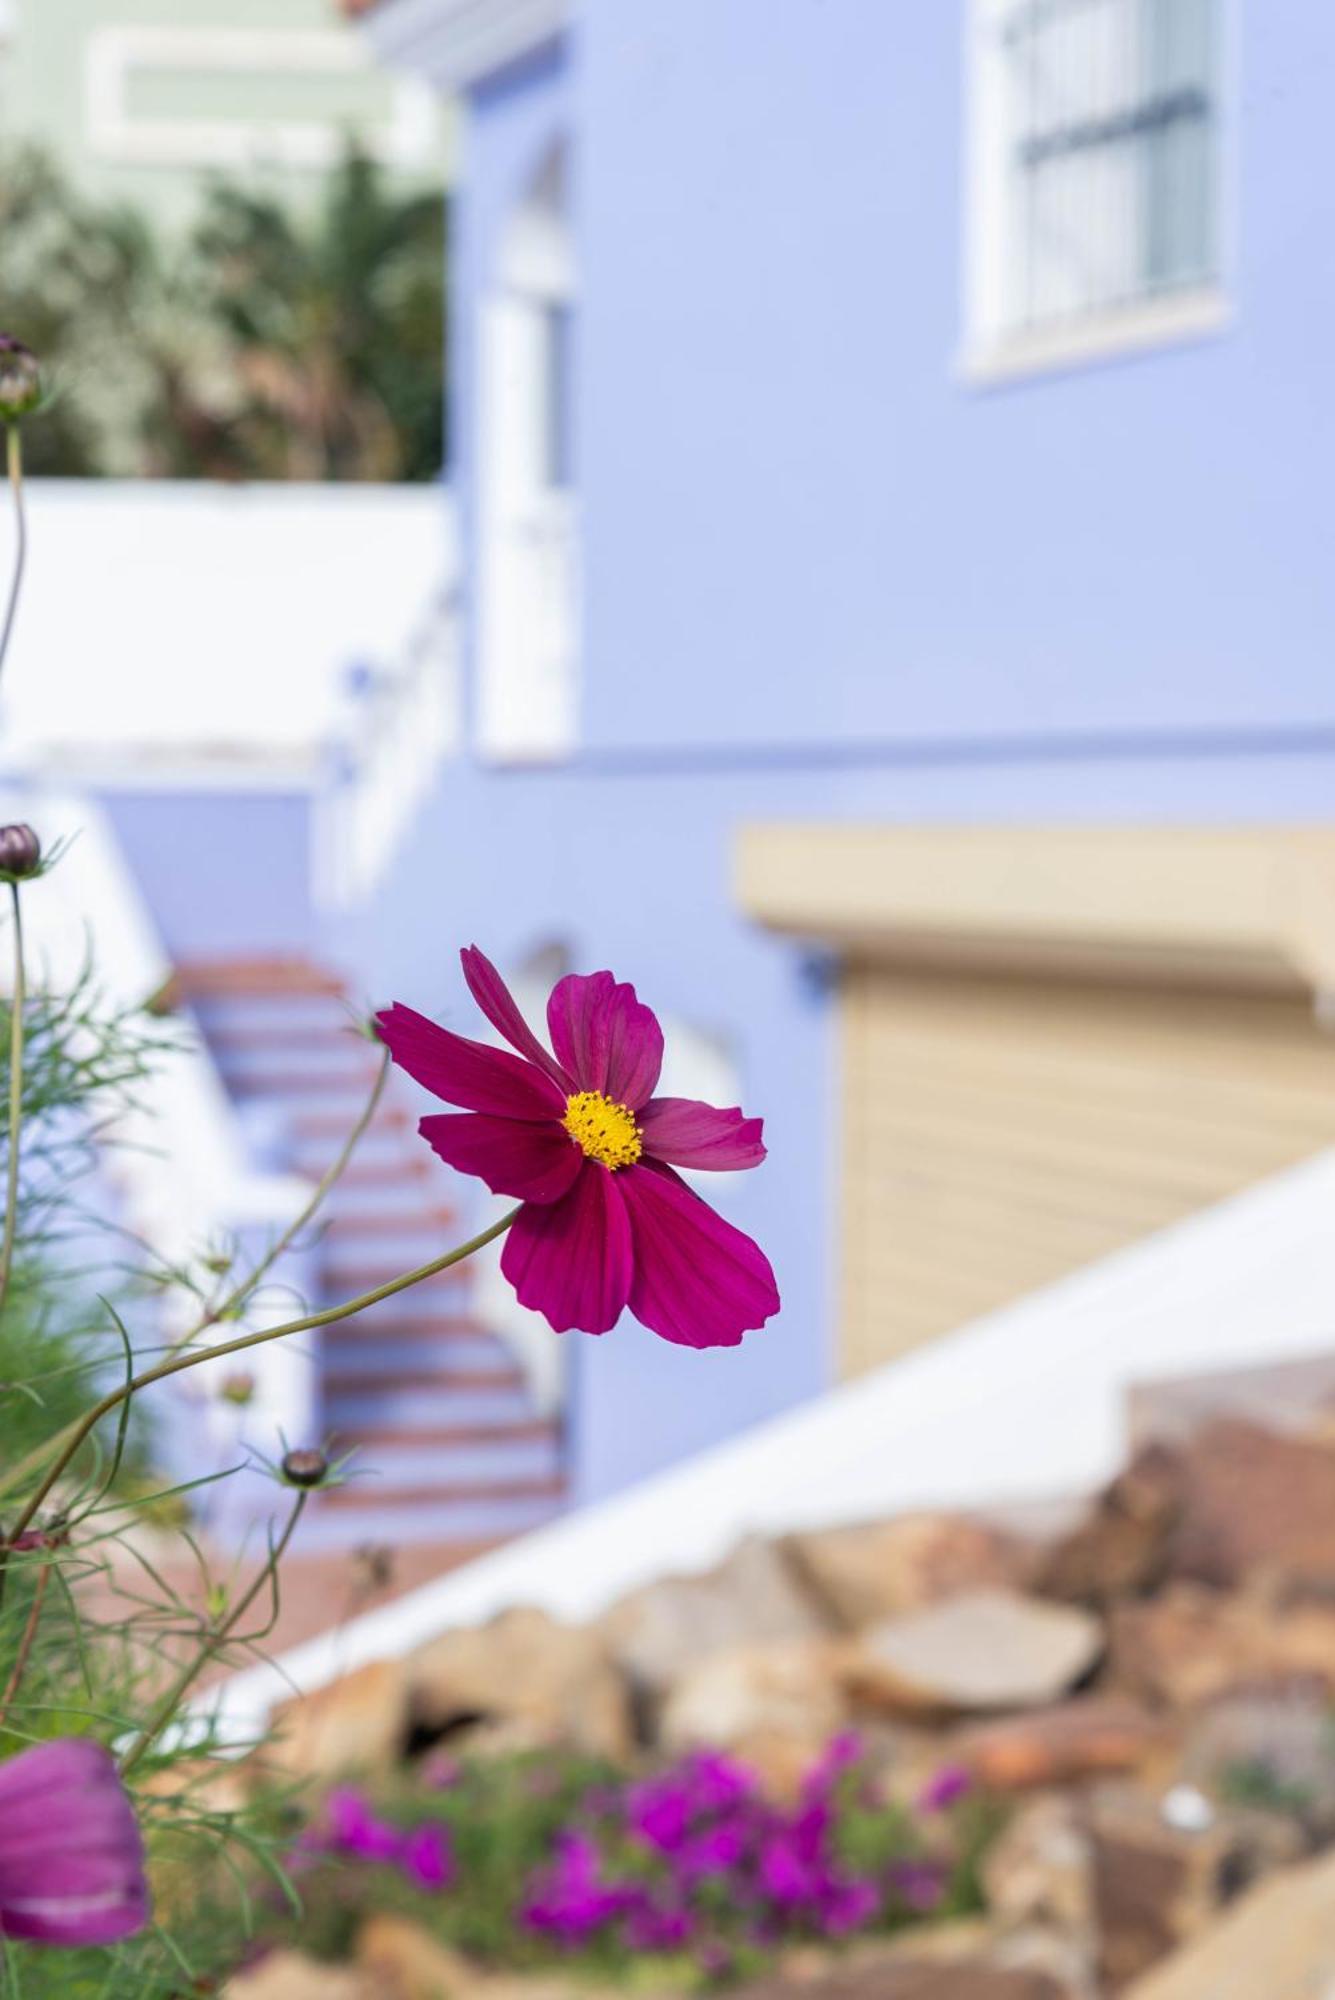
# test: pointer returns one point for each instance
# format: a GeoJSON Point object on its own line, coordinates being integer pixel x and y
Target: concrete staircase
{"type": "Point", "coordinates": [450, 1448]}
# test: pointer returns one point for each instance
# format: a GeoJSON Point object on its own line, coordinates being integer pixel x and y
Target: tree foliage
{"type": "Point", "coordinates": [269, 344]}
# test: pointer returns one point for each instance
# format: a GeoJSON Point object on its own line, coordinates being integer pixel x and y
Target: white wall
{"type": "Point", "coordinates": [190, 628]}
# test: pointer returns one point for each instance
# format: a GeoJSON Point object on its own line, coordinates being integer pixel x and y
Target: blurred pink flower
{"type": "Point", "coordinates": [71, 1854]}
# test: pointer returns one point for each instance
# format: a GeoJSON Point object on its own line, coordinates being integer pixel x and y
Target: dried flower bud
{"type": "Point", "coordinates": [305, 1468]}
{"type": "Point", "coordinates": [20, 380]}
{"type": "Point", "coordinates": [20, 850]}
{"type": "Point", "coordinates": [239, 1388]}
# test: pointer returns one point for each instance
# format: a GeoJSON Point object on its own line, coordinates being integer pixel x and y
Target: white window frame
{"type": "Point", "coordinates": [995, 351]}
{"type": "Point", "coordinates": [115, 55]}
{"type": "Point", "coordinates": [528, 607]}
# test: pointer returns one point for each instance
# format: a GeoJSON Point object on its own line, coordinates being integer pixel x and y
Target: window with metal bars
{"type": "Point", "coordinates": [1103, 155]}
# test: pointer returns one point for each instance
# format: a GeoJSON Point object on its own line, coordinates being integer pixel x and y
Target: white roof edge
{"type": "Point", "coordinates": [456, 43]}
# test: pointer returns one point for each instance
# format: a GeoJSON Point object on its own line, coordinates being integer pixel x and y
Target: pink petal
{"type": "Point", "coordinates": [512, 1155]}
{"type": "Point", "coordinates": [605, 1037]}
{"type": "Point", "coordinates": [697, 1280]}
{"type": "Point", "coordinates": [497, 1002]}
{"type": "Point", "coordinates": [690, 1134]}
{"type": "Point", "coordinates": [71, 1855]}
{"type": "Point", "coordinates": [467, 1073]}
{"type": "Point", "coordinates": [570, 1261]}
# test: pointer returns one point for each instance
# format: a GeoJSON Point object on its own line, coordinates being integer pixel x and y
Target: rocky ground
{"type": "Point", "coordinates": [1149, 1683]}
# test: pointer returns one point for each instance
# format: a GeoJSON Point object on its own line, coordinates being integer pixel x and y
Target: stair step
{"type": "Point", "coordinates": [390, 1221]}
{"type": "Point", "coordinates": [472, 1491]}
{"type": "Point", "coordinates": [408, 1412]}
{"type": "Point", "coordinates": [469, 1523]}
{"type": "Point", "coordinates": [313, 1125]}
{"type": "Point", "coordinates": [345, 1279]}
{"type": "Point", "coordinates": [195, 976]}
{"type": "Point", "coordinates": [284, 1037]}
{"type": "Point", "coordinates": [374, 1324]}
{"type": "Point", "coordinates": [352, 1081]}
{"type": "Point", "coordinates": [379, 1355]}
{"type": "Point", "coordinates": [341, 1381]}
{"type": "Point", "coordinates": [391, 1173]}
{"type": "Point", "coordinates": [403, 1461]}
{"type": "Point", "coordinates": [445, 1437]}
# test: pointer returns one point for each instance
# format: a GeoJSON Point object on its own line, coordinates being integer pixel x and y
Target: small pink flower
{"type": "Point", "coordinates": [71, 1854]}
{"type": "Point", "coordinates": [945, 1788]}
{"type": "Point", "coordinates": [425, 1858]}
{"type": "Point", "coordinates": [580, 1139]}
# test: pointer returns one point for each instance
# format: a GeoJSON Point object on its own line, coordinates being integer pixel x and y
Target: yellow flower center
{"type": "Point", "coordinates": [606, 1131]}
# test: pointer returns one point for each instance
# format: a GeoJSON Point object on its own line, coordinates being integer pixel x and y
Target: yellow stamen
{"type": "Point", "coordinates": [606, 1131]}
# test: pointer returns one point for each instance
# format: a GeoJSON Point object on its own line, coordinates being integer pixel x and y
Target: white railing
{"type": "Point", "coordinates": [179, 1173]}
{"type": "Point", "coordinates": [1026, 1403]}
{"type": "Point", "coordinates": [404, 723]}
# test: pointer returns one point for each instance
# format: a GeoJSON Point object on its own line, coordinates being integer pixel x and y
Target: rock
{"type": "Point", "coordinates": [902, 1979]}
{"type": "Point", "coordinates": [657, 1633]}
{"type": "Point", "coordinates": [1256, 1500]}
{"type": "Point", "coordinates": [290, 1975]}
{"type": "Point", "coordinates": [1270, 1750]}
{"type": "Point", "coordinates": [1278, 1943]}
{"type": "Point", "coordinates": [401, 1961]}
{"type": "Point", "coordinates": [862, 1574]}
{"type": "Point", "coordinates": [1068, 1961]}
{"type": "Point", "coordinates": [1125, 1543]}
{"type": "Point", "coordinates": [775, 1706]}
{"type": "Point", "coordinates": [1095, 1736]}
{"type": "Point", "coordinates": [1191, 1645]}
{"type": "Point", "coordinates": [1156, 1884]}
{"type": "Point", "coordinates": [1040, 1869]}
{"type": "Point", "coordinates": [357, 1724]}
{"type": "Point", "coordinates": [520, 1681]}
{"type": "Point", "coordinates": [990, 1649]}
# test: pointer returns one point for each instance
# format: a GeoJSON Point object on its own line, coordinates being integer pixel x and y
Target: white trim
{"type": "Point", "coordinates": [991, 353]}
{"type": "Point", "coordinates": [1104, 336]}
{"type": "Point", "coordinates": [115, 54]}
{"type": "Point", "coordinates": [458, 42]}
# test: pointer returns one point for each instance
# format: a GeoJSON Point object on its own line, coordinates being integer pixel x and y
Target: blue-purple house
{"type": "Point", "coordinates": [893, 449]}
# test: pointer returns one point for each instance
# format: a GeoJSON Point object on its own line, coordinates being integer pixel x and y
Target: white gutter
{"type": "Point", "coordinates": [456, 43]}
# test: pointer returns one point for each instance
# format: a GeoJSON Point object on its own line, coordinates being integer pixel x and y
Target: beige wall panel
{"type": "Point", "coordinates": [1002, 1132]}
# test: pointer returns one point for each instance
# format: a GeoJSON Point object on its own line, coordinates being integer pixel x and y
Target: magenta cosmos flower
{"type": "Point", "coordinates": [71, 1855]}
{"type": "Point", "coordinates": [580, 1139]}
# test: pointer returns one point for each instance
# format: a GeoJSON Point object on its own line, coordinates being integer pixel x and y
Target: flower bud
{"type": "Point", "coordinates": [239, 1388]}
{"type": "Point", "coordinates": [305, 1468]}
{"type": "Point", "coordinates": [20, 380]}
{"type": "Point", "coordinates": [20, 850]}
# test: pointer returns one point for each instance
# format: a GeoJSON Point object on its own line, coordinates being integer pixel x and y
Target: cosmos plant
{"type": "Point", "coordinates": [605, 1223]}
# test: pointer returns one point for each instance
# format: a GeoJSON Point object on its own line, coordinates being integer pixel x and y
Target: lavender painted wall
{"type": "Point", "coordinates": [824, 578]}
{"type": "Point", "coordinates": [222, 871]}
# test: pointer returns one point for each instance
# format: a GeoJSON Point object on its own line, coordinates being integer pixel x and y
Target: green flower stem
{"type": "Point", "coordinates": [237, 1298]}
{"type": "Point", "coordinates": [14, 456]}
{"type": "Point", "coordinates": [215, 1638]}
{"type": "Point", "coordinates": [67, 1442]}
{"type": "Point", "coordinates": [15, 1102]}
{"type": "Point", "coordinates": [15, 1680]}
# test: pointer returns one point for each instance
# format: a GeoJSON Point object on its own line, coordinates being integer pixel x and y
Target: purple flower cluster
{"type": "Point", "coordinates": [695, 1859]}
{"type": "Point", "coordinates": [351, 1828]}
{"type": "Point", "coordinates": [696, 1854]}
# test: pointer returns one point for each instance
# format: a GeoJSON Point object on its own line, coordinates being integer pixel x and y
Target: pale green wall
{"type": "Point", "coordinates": [44, 89]}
